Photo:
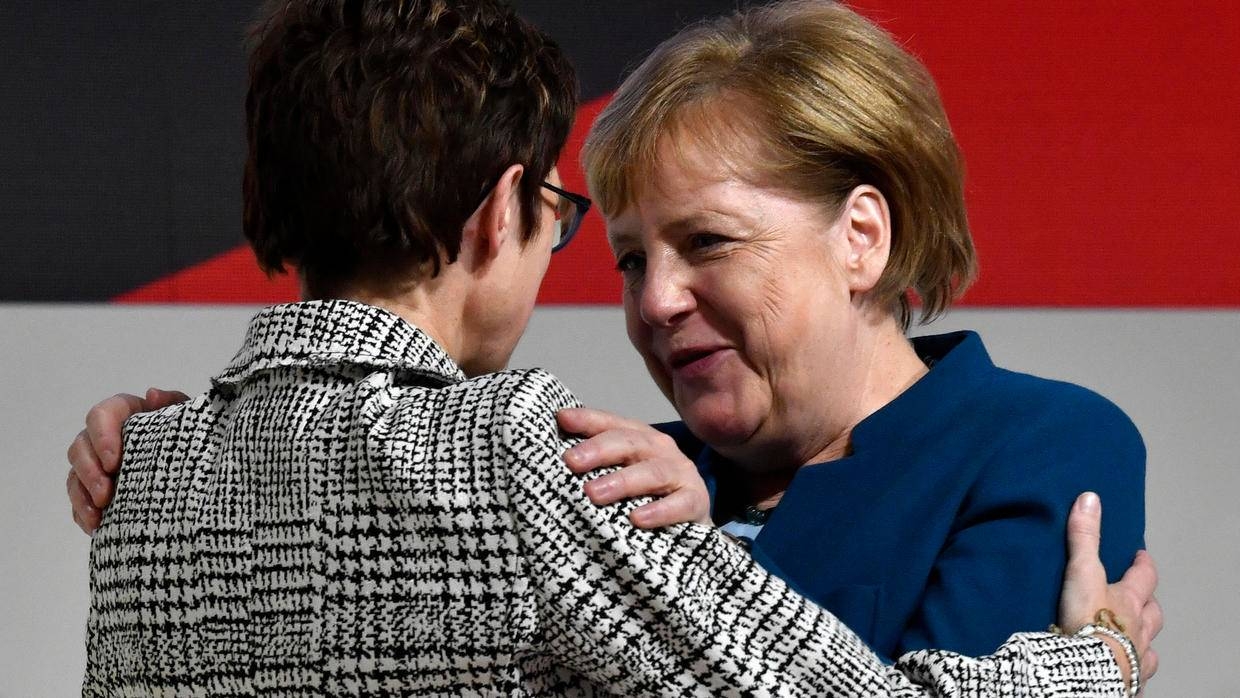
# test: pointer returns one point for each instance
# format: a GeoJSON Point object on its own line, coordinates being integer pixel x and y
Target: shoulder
{"type": "Point", "coordinates": [159, 449]}
{"type": "Point", "coordinates": [531, 393]}
{"type": "Point", "coordinates": [502, 395]}
{"type": "Point", "coordinates": [528, 397]}
{"type": "Point", "coordinates": [971, 387]}
{"type": "Point", "coordinates": [487, 411]}
{"type": "Point", "coordinates": [984, 410]}
{"type": "Point", "coordinates": [527, 420]}
{"type": "Point", "coordinates": [1016, 426]}
{"type": "Point", "coordinates": [1053, 439]}
{"type": "Point", "coordinates": [1037, 408]}
{"type": "Point", "coordinates": [144, 429]}
{"type": "Point", "coordinates": [168, 416]}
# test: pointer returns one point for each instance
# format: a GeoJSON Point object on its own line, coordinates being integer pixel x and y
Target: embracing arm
{"type": "Point", "coordinates": [682, 610]}
{"type": "Point", "coordinates": [95, 454]}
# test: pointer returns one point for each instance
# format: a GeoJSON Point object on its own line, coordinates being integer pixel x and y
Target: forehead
{"type": "Point", "coordinates": [696, 179]}
{"type": "Point", "coordinates": [673, 195]}
{"type": "Point", "coordinates": [681, 174]}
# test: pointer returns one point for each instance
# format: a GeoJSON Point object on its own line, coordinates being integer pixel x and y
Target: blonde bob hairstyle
{"type": "Point", "coordinates": [821, 101]}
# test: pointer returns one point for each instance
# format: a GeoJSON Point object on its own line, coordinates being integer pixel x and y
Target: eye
{"type": "Point", "coordinates": [702, 241]}
{"type": "Point", "coordinates": [629, 262]}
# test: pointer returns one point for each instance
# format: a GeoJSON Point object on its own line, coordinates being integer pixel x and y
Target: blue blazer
{"type": "Point", "coordinates": [945, 526]}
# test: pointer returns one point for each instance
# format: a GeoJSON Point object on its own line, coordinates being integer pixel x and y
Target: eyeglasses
{"type": "Point", "coordinates": [570, 210]}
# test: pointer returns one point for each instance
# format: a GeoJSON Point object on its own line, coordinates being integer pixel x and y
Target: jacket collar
{"type": "Point", "coordinates": [333, 334]}
{"type": "Point", "coordinates": [958, 364]}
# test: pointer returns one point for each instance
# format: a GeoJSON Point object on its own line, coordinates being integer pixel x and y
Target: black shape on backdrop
{"type": "Point", "coordinates": [608, 39]}
{"type": "Point", "coordinates": [121, 139]}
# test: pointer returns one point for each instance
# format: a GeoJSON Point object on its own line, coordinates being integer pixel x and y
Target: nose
{"type": "Point", "coordinates": [665, 294]}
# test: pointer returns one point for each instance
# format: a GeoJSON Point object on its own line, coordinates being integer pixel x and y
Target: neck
{"type": "Point", "coordinates": [883, 365]}
{"type": "Point", "coordinates": [887, 366]}
{"type": "Point", "coordinates": [433, 305]}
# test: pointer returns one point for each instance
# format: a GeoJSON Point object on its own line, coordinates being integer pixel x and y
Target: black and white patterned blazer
{"type": "Point", "coordinates": [344, 513]}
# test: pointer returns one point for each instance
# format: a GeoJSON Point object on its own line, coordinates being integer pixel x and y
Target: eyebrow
{"type": "Point", "coordinates": [616, 239]}
{"type": "Point", "coordinates": [691, 222]}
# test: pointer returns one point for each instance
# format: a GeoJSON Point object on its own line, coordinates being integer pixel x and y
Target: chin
{"type": "Point", "coordinates": [720, 429]}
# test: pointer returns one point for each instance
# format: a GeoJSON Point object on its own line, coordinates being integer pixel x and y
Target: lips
{"type": "Point", "coordinates": [684, 357]}
{"type": "Point", "coordinates": [691, 362]}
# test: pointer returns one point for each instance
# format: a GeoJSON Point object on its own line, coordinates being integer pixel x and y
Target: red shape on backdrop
{"type": "Point", "coordinates": [232, 277]}
{"type": "Point", "coordinates": [584, 272]}
{"type": "Point", "coordinates": [1101, 146]}
{"type": "Point", "coordinates": [1101, 142]}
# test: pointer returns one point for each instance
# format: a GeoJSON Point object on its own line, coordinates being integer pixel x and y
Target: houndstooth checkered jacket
{"type": "Point", "coordinates": [344, 513]}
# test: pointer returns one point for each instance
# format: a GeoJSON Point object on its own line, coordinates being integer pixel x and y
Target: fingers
{"type": "Point", "coordinates": [1132, 599]}
{"type": "Point", "coordinates": [104, 423]}
{"type": "Point", "coordinates": [654, 466]}
{"type": "Point", "coordinates": [95, 454]}
{"type": "Point", "coordinates": [1141, 579]}
{"type": "Point", "coordinates": [157, 399]}
{"type": "Point", "coordinates": [589, 422]}
{"type": "Point", "coordinates": [647, 478]}
{"type": "Point", "coordinates": [85, 514]}
{"type": "Point", "coordinates": [682, 495]}
{"type": "Point", "coordinates": [677, 507]}
{"type": "Point", "coordinates": [620, 445]}
{"type": "Point", "coordinates": [87, 471]}
{"type": "Point", "coordinates": [1085, 580]}
{"type": "Point", "coordinates": [1151, 625]}
{"type": "Point", "coordinates": [1152, 618]}
{"type": "Point", "coordinates": [1085, 530]}
{"type": "Point", "coordinates": [1149, 666]}
{"type": "Point", "coordinates": [1084, 539]}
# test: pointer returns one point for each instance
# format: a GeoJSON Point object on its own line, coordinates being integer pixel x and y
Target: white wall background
{"type": "Point", "coordinates": [1176, 373]}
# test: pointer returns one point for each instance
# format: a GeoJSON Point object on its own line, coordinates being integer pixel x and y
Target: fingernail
{"type": "Point", "coordinates": [100, 488]}
{"type": "Point", "coordinates": [578, 456]}
{"type": "Point", "coordinates": [598, 489]}
{"type": "Point", "coordinates": [1090, 504]}
{"type": "Point", "coordinates": [108, 455]}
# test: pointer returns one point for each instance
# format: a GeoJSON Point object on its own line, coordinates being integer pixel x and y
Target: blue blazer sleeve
{"type": "Point", "coordinates": [1001, 567]}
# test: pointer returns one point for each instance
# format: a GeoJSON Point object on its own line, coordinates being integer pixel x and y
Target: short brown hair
{"type": "Point", "coordinates": [375, 128]}
{"type": "Point", "coordinates": [836, 104]}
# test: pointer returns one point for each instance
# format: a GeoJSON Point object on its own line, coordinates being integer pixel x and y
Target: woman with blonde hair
{"type": "Point", "coordinates": [778, 185]}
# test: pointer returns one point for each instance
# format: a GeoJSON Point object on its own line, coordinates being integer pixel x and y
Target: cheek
{"type": "Point", "coordinates": [638, 331]}
{"type": "Point", "coordinates": [753, 310]}
{"type": "Point", "coordinates": [633, 325]}
{"type": "Point", "coordinates": [777, 326]}
{"type": "Point", "coordinates": [641, 338]}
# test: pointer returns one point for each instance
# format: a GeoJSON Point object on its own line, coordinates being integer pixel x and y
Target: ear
{"type": "Point", "coordinates": [496, 221]}
{"type": "Point", "coordinates": [867, 231]}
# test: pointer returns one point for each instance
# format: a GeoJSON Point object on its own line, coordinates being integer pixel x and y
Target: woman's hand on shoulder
{"type": "Point", "coordinates": [651, 465]}
{"type": "Point", "coordinates": [95, 453]}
